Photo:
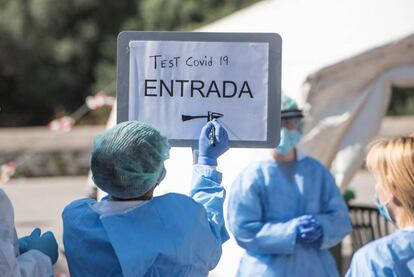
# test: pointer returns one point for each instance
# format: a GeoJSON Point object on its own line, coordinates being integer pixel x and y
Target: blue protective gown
{"type": "Point", "coordinates": [392, 255]}
{"type": "Point", "coordinates": [169, 235]}
{"type": "Point", "coordinates": [265, 203]}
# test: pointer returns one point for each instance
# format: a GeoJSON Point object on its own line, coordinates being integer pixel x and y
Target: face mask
{"type": "Point", "coordinates": [288, 140]}
{"type": "Point", "coordinates": [383, 209]}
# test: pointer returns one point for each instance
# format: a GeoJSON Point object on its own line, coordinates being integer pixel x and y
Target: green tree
{"type": "Point", "coordinates": [55, 53]}
{"type": "Point", "coordinates": [402, 101]}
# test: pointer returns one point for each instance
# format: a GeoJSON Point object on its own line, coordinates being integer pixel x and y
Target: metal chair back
{"type": "Point", "coordinates": [368, 225]}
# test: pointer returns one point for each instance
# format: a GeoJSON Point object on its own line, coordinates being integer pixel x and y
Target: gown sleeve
{"type": "Point", "coordinates": [245, 214]}
{"type": "Point", "coordinates": [32, 263]}
{"type": "Point", "coordinates": [208, 191]}
{"type": "Point", "coordinates": [334, 217]}
{"type": "Point", "coordinates": [357, 267]}
{"type": "Point", "coordinates": [368, 262]}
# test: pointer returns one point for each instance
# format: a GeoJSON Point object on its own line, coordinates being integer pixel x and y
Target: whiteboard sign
{"type": "Point", "coordinates": [173, 84]}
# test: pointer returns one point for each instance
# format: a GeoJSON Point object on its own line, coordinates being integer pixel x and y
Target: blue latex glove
{"type": "Point", "coordinates": [23, 247]}
{"type": "Point", "coordinates": [309, 230]}
{"type": "Point", "coordinates": [46, 244]}
{"type": "Point", "coordinates": [208, 154]}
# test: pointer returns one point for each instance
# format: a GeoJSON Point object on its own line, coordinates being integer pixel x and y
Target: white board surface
{"type": "Point", "coordinates": [169, 79]}
{"type": "Point", "coordinates": [165, 78]}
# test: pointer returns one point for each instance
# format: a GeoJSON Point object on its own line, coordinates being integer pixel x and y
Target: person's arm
{"type": "Point", "coordinates": [32, 263]}
{"type": "Point", "coordinates": [206, 179]}
{"type": "Point", "coordinates": [334, 218]}
{"type": "Point", "coordinates": [245, 218]}
{"type": "Point", "coordinates": [208, 192]}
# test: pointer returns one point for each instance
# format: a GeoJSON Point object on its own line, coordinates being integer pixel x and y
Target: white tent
{"type": "Point", "coordinates": [348, 101]}
{"type": "Point", "coordinates": [322, 33]}
{"type": "Point", "coordinates": [315, 34]}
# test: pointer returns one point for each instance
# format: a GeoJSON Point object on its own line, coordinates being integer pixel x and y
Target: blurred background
{"type": "Point", "coordinates": [54, 54]}
{"type": "Point", "coordinates": [349, 63]}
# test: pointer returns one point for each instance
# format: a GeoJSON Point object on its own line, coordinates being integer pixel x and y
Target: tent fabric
{"type": "Point", "coordinates": [347, 102]}
{"type": "Point", "coordinates": [320, 33]}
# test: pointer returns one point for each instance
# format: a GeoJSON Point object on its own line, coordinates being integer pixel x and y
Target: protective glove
{"type": "Point", "coordinates": [46, 244]}
{"type": "Point", "coordinates": [208, 154]}
{"type": "Point", "coordinates": [309, 230]}
{"type": "Point", "coordinates": [23, 248]}
{"type": "Point", "coordinates": [308, 220]}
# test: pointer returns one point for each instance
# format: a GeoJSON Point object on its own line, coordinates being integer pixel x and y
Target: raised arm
{"type": "Point", "coordinates": [207, 189]}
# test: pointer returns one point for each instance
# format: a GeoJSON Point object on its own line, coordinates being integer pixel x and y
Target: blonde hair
{"type": "Point", "coordinates": [391, 161]}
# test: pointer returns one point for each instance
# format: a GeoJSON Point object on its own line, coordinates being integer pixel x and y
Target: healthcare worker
{"type": "Point", "coordinates": [132, 233]}
{"type": "Point", "coordinates": [28, 256]}
{"type": "Point", "coordinates": [287, 211]}
{"type": "Point", "coordinates": [392, 163]}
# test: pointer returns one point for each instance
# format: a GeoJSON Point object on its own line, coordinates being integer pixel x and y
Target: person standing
{"type": "Point", "coordinates": [287, 211]}
{"type": "Point", "coordinates": [133, 233]}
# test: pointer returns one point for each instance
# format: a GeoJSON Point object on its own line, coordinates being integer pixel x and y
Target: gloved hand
{"type": "Point", "coordinates": [309, 230]}
{"type": "Point", "coordinates": [23, 248]}
{"type": "Point", "coordinates": [46, 244]}
{"type": "Point", "coordinates": [208, 154]}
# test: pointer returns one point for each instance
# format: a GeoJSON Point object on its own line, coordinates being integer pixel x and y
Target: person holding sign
{"type": "Point", "coordinates": [287, 212]}
{"type": "Point", "coordinates": [132, 233]}
{"type": "Point", "coordinates": [391, 161]}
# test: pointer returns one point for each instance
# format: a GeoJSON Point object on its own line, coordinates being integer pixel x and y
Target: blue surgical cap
{"type": "Point", "coordinates": [288, 103]}
{"type": "Point", "coordinates": [291, 112]}
{"type": "Point", "coordinates": [127, 160]}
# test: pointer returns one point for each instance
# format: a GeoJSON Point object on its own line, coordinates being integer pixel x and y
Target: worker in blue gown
{"type": "Point", "coordinates": [287, 211]}
{"type": "Point", "coordinates": [132, 233]}
{"type": "Point", "coordinates": [392, 163]}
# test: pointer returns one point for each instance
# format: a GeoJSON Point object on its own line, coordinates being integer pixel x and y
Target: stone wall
{"type": "Point", "coordinates": [39, 152]}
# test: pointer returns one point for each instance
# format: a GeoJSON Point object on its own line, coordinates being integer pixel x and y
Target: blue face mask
{"type": "Point", "coordinates": [383, 209]}
{"type": "Point", "coordinates": [288, 140]}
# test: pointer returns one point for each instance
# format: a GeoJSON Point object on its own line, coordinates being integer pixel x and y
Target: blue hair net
{"type": "Point", "coordinates": [288, 103]}
{"type": "Point", "coordinates": [127, 160]}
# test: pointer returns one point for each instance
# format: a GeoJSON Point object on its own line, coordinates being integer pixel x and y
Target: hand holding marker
{"type": "Point", "coordinates": [210, 116]}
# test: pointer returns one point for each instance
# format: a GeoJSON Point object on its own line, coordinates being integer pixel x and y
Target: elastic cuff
{"type": "Point", "coordinates": [207, 171]}
{"type": "Point", "coordinates": [202, 160]}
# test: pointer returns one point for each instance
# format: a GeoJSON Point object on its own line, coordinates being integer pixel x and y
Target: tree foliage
{"type": "Point", "coordinates": [55, 53]}
{"type": "Point", "coordinates": [402, 101]}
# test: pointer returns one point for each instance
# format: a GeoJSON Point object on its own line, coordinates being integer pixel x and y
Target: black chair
{"type": "Point", "coordinates": [368, 225]}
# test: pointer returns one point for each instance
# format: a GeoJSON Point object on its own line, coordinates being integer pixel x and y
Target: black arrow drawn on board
{"type": "Point", "coordinates": [210, 116]}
